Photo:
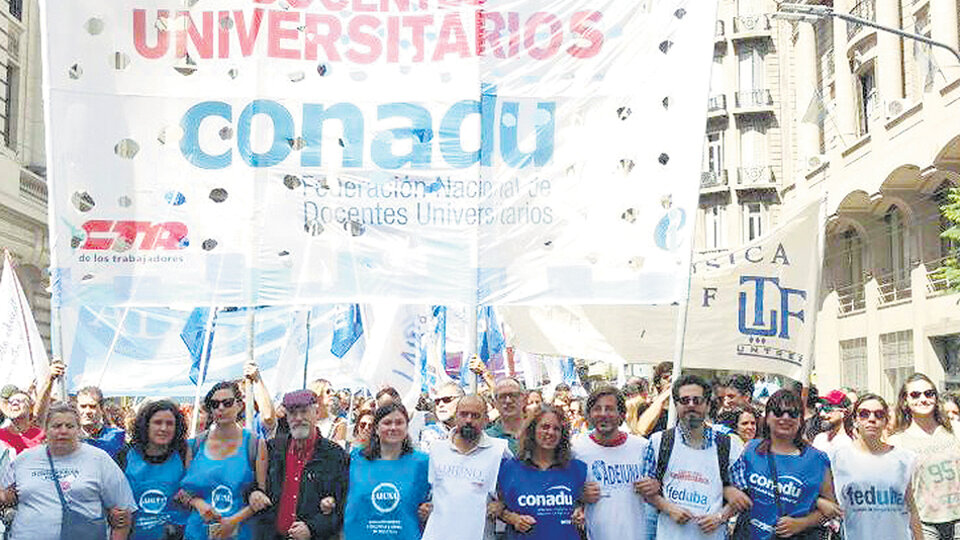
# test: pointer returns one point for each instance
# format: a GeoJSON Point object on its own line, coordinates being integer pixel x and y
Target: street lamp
{"type": "Point", "coordinates": [815, 12]}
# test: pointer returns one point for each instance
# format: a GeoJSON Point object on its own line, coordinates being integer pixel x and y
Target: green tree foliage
{"type": "Point", "coordinates": [950, 271]}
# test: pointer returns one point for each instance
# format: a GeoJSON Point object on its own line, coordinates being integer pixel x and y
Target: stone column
{"type": "Point", "coordinates": [889, 58]}
{"type": "Point", "coordinates": [845, 113]}
{"type": "Point", "coordinates": [943, 28]}
{"type": "Point", "coordinates": [808, 132]}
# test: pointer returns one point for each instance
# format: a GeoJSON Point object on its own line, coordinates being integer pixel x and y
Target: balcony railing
{"type": "Point", "coordinates": [751, 24]}
{"type": "Point", "coordinates": [33, 188]}
{"type": "Point", "coordinates": [894, 287]}
{"type": "Point", "coordinates": [717, 104]}
{"type": "Point", "coordinates": [865, 9]}
{"type": "Point", "coordinates": [756, 177]}
{"type": "Point", "coordinates": [752, 99]}
{"type": "Point", "coordinates": [16, 9]}
{"type": "Point", "coordinates": [936, 284]}
{"type": "Point", "coordinates": [712, 179]}
{"type": "Point", "coordinates": [851, 299]}
{"type": "Point", "coordinates": [720, 31]}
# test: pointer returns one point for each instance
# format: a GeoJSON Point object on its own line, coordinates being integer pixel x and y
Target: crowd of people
{"type": "Point", "coordinates": [743, 461]}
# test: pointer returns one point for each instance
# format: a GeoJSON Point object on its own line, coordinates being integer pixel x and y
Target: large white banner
{"type": "Point", "coordinates": [751, 309]}
{"type": "Point", "coordinates": [262, 152]}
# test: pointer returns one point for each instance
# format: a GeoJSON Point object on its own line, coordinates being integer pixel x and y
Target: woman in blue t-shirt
{"type": "Point", "coordinates": [542, 487]}
{"type": "Point", "coordinates": [783, 475]}
{"type": "Point", "coordinates": [388, 481]}
{"type": "Point", "coordinates": [154, 463]}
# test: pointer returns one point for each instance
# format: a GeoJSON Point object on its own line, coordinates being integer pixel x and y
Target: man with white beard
{"type": "Point", "coordinates": [306, 478]}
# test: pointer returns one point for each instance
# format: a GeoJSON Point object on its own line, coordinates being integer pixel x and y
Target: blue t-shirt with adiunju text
{"type": "Point", "coordinates": [384, 497]}
{"type": "Point", "coordinates": [549, 496]}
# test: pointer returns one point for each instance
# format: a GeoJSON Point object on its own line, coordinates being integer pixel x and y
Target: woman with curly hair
{"type": "Point", "coordinates": [388, 481]}
{"type": "Point", "coordinates": [542, 487]}
{"type": "Point", "coordinates": [154, 462]}
{"type": "Point", "coordinates": [923, 428]}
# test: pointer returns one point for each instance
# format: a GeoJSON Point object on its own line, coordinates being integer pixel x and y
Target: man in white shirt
{"type": "Point", "coordinates": [615, 461]}
{"type": "Point", "coordinates": [445, 403]}
{"type": "Point", "coordinates": [463, 476]}
{"type": "Point", "coordinates": [692, 466]}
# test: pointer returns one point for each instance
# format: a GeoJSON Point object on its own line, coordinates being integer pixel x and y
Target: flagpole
{"type": "Point", "coordinates": [683, 310]}
{"type": "Point", "coordinates": [470, 344]}
{"type": "Point", "coordinates": [113, 345]}
{"type": "Point", "coordinates": [205, 349]}
{"type": "Point", "coordinates": [306, 354]}
{"type": "Point", "coordinates": [251, 357]}
{"type": "Point", "coordinates": [807, 372]}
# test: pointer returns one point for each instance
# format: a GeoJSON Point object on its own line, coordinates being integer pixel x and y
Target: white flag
{"type": "Point", "coordinates": [23, 355]}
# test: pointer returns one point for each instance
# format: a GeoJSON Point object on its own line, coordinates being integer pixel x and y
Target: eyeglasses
{"type": "Point", "coordinates": [779, 413]}
{"type": "Point", "coordinates": [225, 403]}
{"type": "Point", "coordinates": [445, 400]}
{"type": "Point", "coordinates": [691, 400]}
{"type": "Point", "coordinates": [929, 394]}
{"type": "Point", "coordinates": [509, 395]}
{"type": "Point", "coordinates": [365, 425]}
{"type": "Point", "coordinates": [865, 414]}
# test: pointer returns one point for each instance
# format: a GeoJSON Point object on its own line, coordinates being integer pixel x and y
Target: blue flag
{"type": "Point", "coordinates": [492, 342]}
{"type": "Point", "coordinates": [194, 336]}
{"type": "Point", "coordinates": [347, 329]}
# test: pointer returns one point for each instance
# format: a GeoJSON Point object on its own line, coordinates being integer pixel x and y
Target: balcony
{"type": "Point", "coordinates": [717, 105]}
{"type": "Point", "coordinates": [754, 101]}
{"type": "Point", "coordinates": [865, 9]}
{"type": "Point", "coordinates": [851, 299]}
{"type": "Point", "coordinates": [757, 177]}
{"type": "Point", "coordinates": [33, 188]}
{"type": "Point", "coordinates": [713, 180]}
{"type": "Point", "coordinates": [16, 9]}
{"type": "Point", "coordinates": [751, 26]}
{"type": "Point", "coordinates": [893, 288]}
{"type": "Point", "coordinates": [936, 283]}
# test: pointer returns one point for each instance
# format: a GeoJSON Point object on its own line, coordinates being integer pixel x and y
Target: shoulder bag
{"type": "Point", "coordinates": [74, 525]}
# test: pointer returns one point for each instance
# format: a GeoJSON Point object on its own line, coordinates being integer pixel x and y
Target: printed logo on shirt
{"type": "Point", "coordinates": [872, 498]}
{"type": "Point", "coordinates": [222, 499]}
{"type": "Point", "coordinates": [790, 486]}
{"type": "Point", "coordinates": [385, 497]}
{"type": "Point", "coordinates": [615, 474]}
{"type": "Point", "coordinates": [152, 501]}
{"type": "Point", "coordinates": [689, 476]}
{"type": "Point", "coordinates": [453, 470]}
{"type": "Point", "coordinates": [686, 497]}
{"type": "Point", "coordinates": [554, 496]}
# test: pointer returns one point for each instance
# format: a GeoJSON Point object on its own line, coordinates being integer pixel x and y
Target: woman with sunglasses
{"type": "Point", "coordinates": [923, 429]}
{"type": "Point", "coordinates": [873, 479]}
{"type": "Point", "coordinates": [388, 481]}
{"type": "Point", "coordinates": [226, 462]}
{"type": "Point", "coordinates": [784, 476]}
{"type": "Point", "coordinates": [361, 432]}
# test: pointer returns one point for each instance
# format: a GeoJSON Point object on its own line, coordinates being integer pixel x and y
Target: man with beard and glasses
{"type": "Point", "coordinates": [614, 460]}
{"type": "Point", "coordinates": [691, 467]}
{"type": "Point", "coordinates": [463, 475]}
{"type": "Point", "coordinates": [510, 398]}
{"type": "Point", "coordinates": [306, 478]}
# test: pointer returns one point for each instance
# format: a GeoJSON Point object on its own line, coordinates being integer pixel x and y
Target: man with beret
{"type": "Point", "coordinates": [306, 478]}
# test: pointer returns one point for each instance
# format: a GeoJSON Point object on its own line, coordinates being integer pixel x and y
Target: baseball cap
{"type": "Point", "coordinates": [836, 398]}
{"type": "Point", "coordinates": [9, 390]}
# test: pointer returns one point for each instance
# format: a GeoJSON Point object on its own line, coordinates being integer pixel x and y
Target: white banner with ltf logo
{"type": "Point", "coordinates": [265, 152]}
{"type": "Point", "coordinates": [750, 309]}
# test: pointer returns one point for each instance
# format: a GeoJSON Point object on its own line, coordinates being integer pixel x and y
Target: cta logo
{"type": "Point", "coordinates": [554, 496]}
{"type": "Point", "coordinates": [222, 499]}
{"type": "Point", "coordinates": [385, 497]}
{"type": "Point", "coordinates": [104, 234]}
{"type": "Point", "coordinates": [152, 501]}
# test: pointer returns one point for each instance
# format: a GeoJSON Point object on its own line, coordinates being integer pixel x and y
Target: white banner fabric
{"type": "Point", "coordinates": [751, 309]}
{"type": "Point", "coordinates": [238, 152]}
{"type": "Point", "coordinates": [23, 353]}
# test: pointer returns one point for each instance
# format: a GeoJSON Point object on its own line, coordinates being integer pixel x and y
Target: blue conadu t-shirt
{"type": "Point", "coordinates": [549, 496]}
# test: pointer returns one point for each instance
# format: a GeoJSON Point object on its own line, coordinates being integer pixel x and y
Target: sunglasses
{"type": "Point", "coordinates": [445, 400]}
{"type": "Point", "coordinates": [779, 413]}
{"type": "Point", "coordinates": [931, 393]}
{"type": "Point", "coordinates": [694, 400]}
{"type": "Point", "coordinates": [865, 414]}
{"type": "Point", "coordinates": [365, 425]}
{"type": "Point", "coordinates": [214, 404]}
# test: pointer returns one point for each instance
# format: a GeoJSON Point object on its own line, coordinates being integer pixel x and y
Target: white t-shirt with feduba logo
{"type": "Point", "coordinates": [872, 489]}
{"type": "Point", "coordinates": [90, 481]}
{"type": "Point", "coordinates": [619, 514]}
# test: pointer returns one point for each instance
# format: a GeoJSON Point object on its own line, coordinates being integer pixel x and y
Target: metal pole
{"type": "Point", "coordinates": [306, 354]}
{"type": "Point", "coordinates": [470, 343]}
{"type": "Point", "coordinates": [251, 357]}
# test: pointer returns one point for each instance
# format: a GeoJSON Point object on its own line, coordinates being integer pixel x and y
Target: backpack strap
{"type": "Point", "coordinates": [723, 457]}
{"type": "Point", "coordinates": [663, 456]}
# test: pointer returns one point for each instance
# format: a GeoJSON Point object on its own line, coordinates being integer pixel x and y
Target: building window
{"type": "Point", "coordinates": [897, 254]}
{"type": "Point", "coordinates": [714, 153]}
{"type": "Point", "coordinates": [948, 247]}
{"type": "Point", "coordinates": [896, 356]}
{"type": "Point", "coordinates": [923, 54]}
{"type": "Point", "coordinates": [753, 142]}
{"type": "Point", "coordinates": [748, 7]}
{"type": "Point", "coordinates": [714, 226]}
{"type": "Point", "coordinates": [867, 97]}
{"type": "Point", "coordinates": [16, 9]}
{"type": "Point", "coordinates": [750, 55]}
{"type": "Point", "coordinates": [853, 362]}
{"type": "Point", "coordinates": [754, 220]}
